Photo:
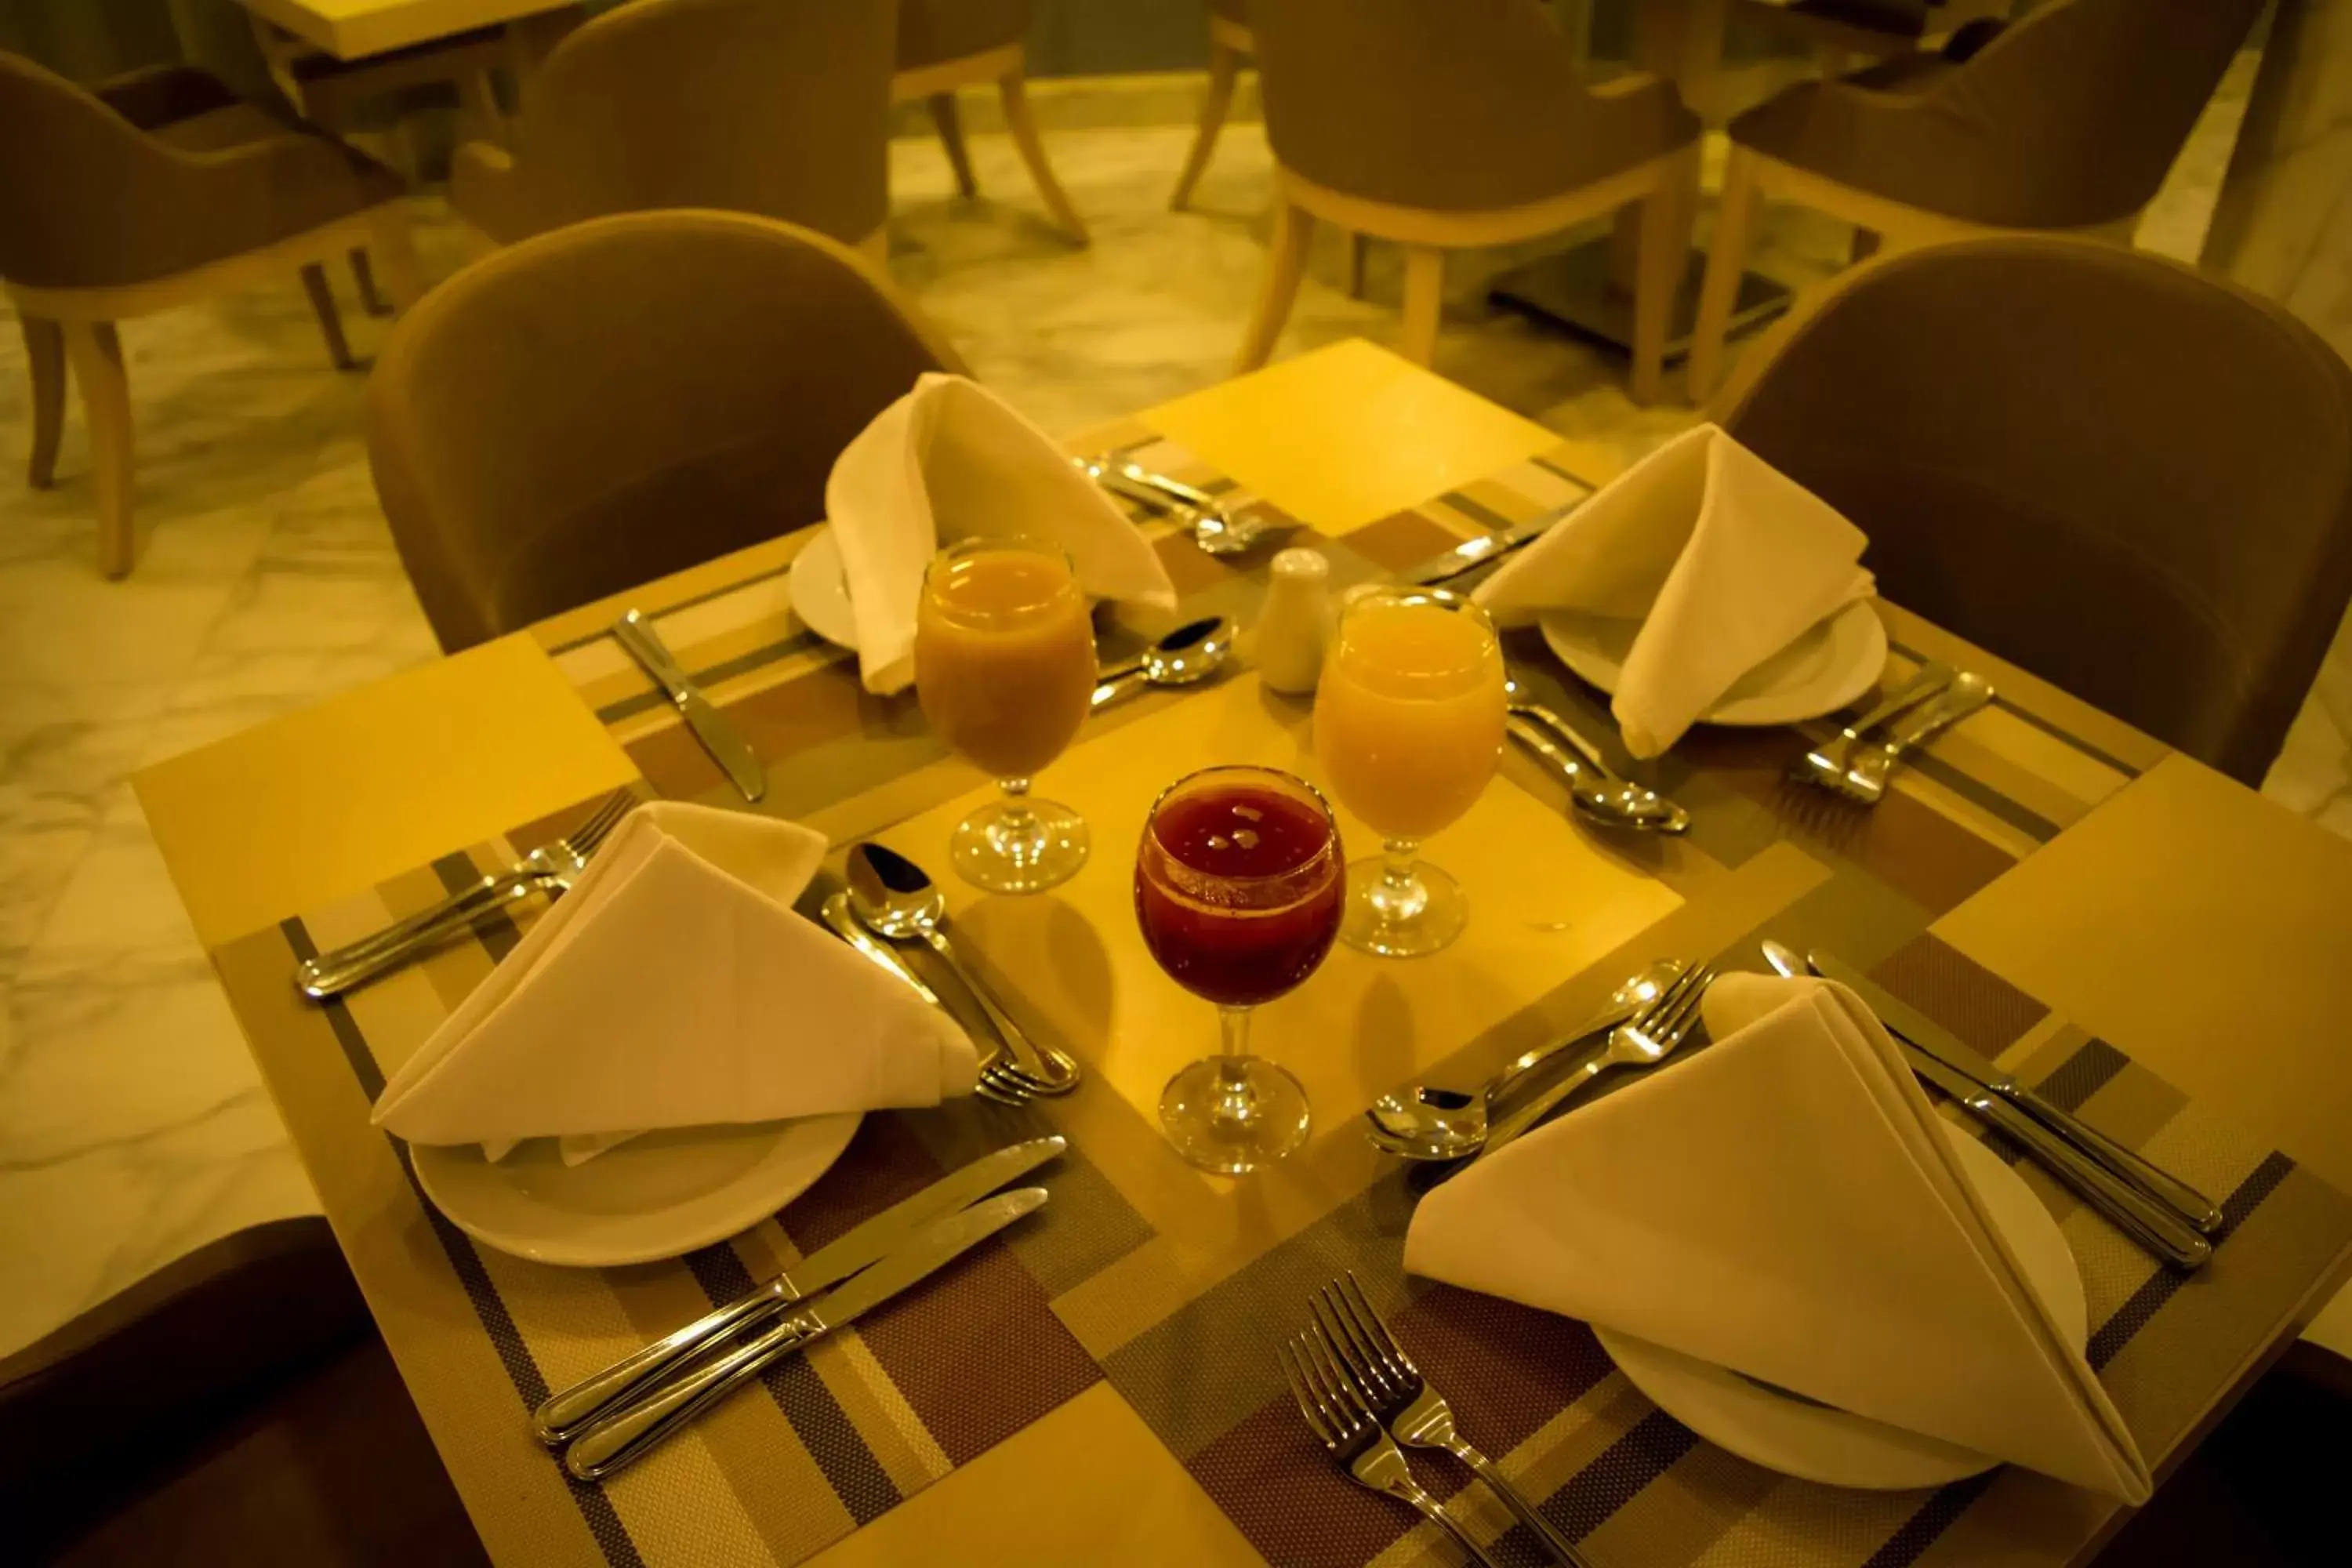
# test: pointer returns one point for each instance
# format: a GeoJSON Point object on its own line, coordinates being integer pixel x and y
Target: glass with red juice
{"type": "Point", "coordinates": [1239, 884]}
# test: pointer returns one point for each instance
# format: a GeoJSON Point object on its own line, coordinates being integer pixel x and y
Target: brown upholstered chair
{"type": "Point", "coordinates": [947, 44]}
{"type": "Point", "coordinates": [2067, 120]}
{"type": "Point", "coordinates": [148, 194]}
{"type": "Point", "coordinates": [1444, 123]}
{"type": "Point", "coordinates": [1230, 41]}
{"type": "Point", "coordinates": [537, 446]}
{"type": "Point", "coordinates": [2131, 479]}
{"type": "Point", "coordinates": [774, 107]}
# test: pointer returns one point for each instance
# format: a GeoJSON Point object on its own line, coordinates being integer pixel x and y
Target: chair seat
{"type": "Point", "coordinates": [221, 129]}
{"type": "Point", "coordinates": [932, 32]}
{"type": "Point", "coordinates": [483, 45]}
{"type": "Point", "coordinates": [1895, 19]}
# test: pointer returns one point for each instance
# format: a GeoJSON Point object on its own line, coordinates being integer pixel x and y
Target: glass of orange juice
{"type": "Point", "coordinates": [1408, 727]}
{"type": "Point", "coordinates": [1004, 668]}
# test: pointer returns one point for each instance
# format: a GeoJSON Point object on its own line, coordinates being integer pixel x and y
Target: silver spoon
{"type": "Point", "coordinates": [998, 1081]}
{"type": "Point", "coordinates": [1192, 653]}
{"type": "Point", "coordinates": [1215, 529]}
{"type": "Point", "coordinates": [892, 897]}
{"type": "Point", "coordinates": [1426, 1122]}
{"type": "Point", "coordinates": [1597, 795]}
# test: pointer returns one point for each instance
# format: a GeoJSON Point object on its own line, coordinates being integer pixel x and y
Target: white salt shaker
{"type": "Point", "coordinates": [1294, 626]}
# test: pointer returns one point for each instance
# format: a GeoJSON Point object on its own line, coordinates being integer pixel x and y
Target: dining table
{"type": "Point", "coordinates": [355, 29]}
{"type": "Point", "coordinates": [2150, 944]}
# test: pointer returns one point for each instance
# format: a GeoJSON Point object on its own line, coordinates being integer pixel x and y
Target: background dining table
{"type": "Point", "coordinates": [2152, 944]}
{"type": "Point", "coordinates": [355, 30]}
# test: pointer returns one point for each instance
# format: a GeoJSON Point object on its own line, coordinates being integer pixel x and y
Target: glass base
{"type": "Point", "coordinates": [1233, 1114]}
{"type": "Point", "coordinates": [1407, 918]}
{"type": "Point", "coordinates": [1019, 845]}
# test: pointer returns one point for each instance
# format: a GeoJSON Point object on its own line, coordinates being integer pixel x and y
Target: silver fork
{"type": "Point", "coordinates": [1342, 1420]}
{"type": "Point", "coordinates": [1000, 1080]}
{"type": "Point", "coordinates": [1647, 1038]}
{"type": "Point", "coordinates": [1416, 1414]}
{"type": "Point", "coordinates": [1866, 775]}
{"type": "Point", "coordinates": [550, 869]}
{"type": "Point", "coordinates": [1825, 765]}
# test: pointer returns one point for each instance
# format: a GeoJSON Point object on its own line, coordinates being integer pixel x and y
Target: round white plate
{"type": "Point", "coordinates": [1835, 661]}
{"type": "Point", "coordinates": [821, 591]}
{"type": "Point", "coordinates": [655, 1196]}
{"type": "Point", "coordinates": [1816, 1443]}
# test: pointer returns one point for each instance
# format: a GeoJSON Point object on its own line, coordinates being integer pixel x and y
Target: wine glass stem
{"type": "Point", "coordinates": [1236, 1100]}
{"type": "Point", "coordinates": [1396, 866]}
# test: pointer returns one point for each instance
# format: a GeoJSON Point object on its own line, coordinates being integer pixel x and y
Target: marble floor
{"type": "Point", "coordinates": [131, 1125]}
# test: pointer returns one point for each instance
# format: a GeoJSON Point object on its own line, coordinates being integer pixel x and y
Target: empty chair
{"type": "Point", "coordinates": [774, 107]}
{"type": "Point", "coordinates": [2066, 120]}
{"type": "Point", "coordinates": [1230, 41]}
{"type": "Point", "coordinates": [2128, 479]}
{"type": "Point", "coordinates": [616, 400]}
{"type": "Point", "coordinates": [947, 44]}
{"type": "Point", "coordinates": [151, 192]}
{"type": "Point", "coordinates": [1444, 123]}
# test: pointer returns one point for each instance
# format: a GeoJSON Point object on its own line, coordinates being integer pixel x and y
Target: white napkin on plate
{"type": "Point", "coordinates": [674, 986]}
{"type": "Point", "coordinates": [1723, 559]}
{"type": "Point", "coordinates": [950, 461]}
{"type": "Point", "coordinates": [1784, 1203]}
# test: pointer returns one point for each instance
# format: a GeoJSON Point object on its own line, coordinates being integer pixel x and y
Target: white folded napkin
{"type": "Point", "coordinates": [1723, 559]}
{"type": "Point", "coordinates": [1785, 1204]}
{"type": "Point", "coordinates": [674, 986]}
{"type": "Point", "coordinates": [951, 461]}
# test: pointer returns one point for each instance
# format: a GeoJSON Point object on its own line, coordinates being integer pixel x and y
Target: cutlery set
{"type": "Point", "coordinates": [1856, 766]}
{"type": "Point", "coordinates": [1215, 529]}
{"type": "Point", "coordinates": [1366, 1402]}
{"type": "Point", "coordinates": [614, 1417]}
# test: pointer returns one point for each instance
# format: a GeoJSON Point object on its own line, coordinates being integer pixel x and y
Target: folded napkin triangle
{"type": "Point", "coordinates": [1722, 559]}
{"type": "Point", "coordinates": [674, 986]}
{"type": "Point", "coordinates": [949, 462]}
{"type": "Point", "coordinates": [1785, 1204]}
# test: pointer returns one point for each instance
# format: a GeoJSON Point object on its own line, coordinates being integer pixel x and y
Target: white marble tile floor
{"type": "Point", "coordinates": [132, 1127]}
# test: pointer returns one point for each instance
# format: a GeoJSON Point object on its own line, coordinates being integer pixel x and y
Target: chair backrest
{"type": "Point", "coordinates": [83, 191]}
{"type": "Point", "coordinates": [932, 31]}
{"type": "Point", "coordinates": [2086, 103]}
{"type": "Point", "coordinates": [1452, 105]}
{"type": "Point", "coordinates": [2131, 479]}
{"type": "Point", "coordinates": [775, 106]}
{"type": "Point", "coordinates": [622, 398]}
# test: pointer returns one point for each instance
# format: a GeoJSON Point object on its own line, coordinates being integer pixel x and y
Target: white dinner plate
{"type": "Point", "coordinates": [655, 1196]}
{"type": "Point", "coordinates": [1816, 1443]}
{"type": "Point", "coordinates": [1836, 660]}
{"type": "Point", "coordinates": [820, 589]}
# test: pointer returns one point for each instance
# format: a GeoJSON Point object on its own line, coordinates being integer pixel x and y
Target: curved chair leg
{"type": "Point", "coordinates": [1023, 126]}
{"type": "Point", "coordinates": [942, 106]}
{"type": "Point", "coordinates": [331, 320]}
{"type": "Point", "coordinates": [97, 355]}
{"type": "Point", "coordinates": [395, 252]}
{"type": "Point", "coordinates": [1659, 263]}
{"type": "Point", "coordinates": [1224, 65]}
{"type": "Point", "coordinates": [1360, 245]}
{"type": "Point", "coordinates": [1285, 260]}
{"type": "Point", "coordinates": [1865, 246]}
{"type": "Point", "coordinates": [44, 356]}
{"type": "Point", "coordinates": [478, 104]}
{"type": "Point", "coordinates": [1727, 259]}
{"type": "Point", "coordinates": [1425, 302]}
{"type": "Point", "coordinates": [372, 299]}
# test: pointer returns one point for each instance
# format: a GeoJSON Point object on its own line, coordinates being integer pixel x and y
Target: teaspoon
{"type": "Point", "coordinates": [1597, 795]}
{"type": "Point", "coordinates": [1192, 653]}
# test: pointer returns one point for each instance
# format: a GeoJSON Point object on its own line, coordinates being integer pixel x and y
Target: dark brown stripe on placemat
{"type": "Point", "coordinates": [1984, 1010]}
{"type": "Point", "coordinates": [668, 610]}
{"type": "Point", "coordinates": [2072, 1082]}
{"type": "Point", "coordinates": [1556, 471]}
{"type": "Point", "coordinates": [1937, 1515]}
{"type": "Point", "coordinates": [495, 930]}
{"type": "Point", "coordinates": [497, 1323]}
{"type": "Point", "coordinates": [1979, 794]}
{"type": "Point", "coordinates": [832, 1440]}
{"type": "Point", "coordinates": [2136, 1313]}
{"type": "Point", "coordinates": [1486, 516]}
{"type": "Point", "coordinates": [1656, 1442]}
{"type": "Point", "coordinates": [2036, 720]}
{"type": "Point", "coordinates": [725, 669]}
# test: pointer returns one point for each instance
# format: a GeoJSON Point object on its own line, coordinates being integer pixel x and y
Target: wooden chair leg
{"type": "Point", "coordinates": [1425, 302]}
{"type": "Point", "coordinates": [1023, 126]}
{"type": "Point", "coordinates": [1224, 66]}
{"type": "Point", "coordinates": [1360, 245]}
{"type": "Point", "coordinates": [1285, 260]}
{"type": "Point", "coordinates": [942, 106]}
{"type": "Point", "coordinates": [1865, 246]}
{"type": "Point", "coordinates": [395, 252]}
{"type": "Point", "coordinates": [44, 356]}
{"type": "Point", "coordinates": [96, 353]}
{"type": "Point", "coordinates": [331, 320]}
{"type": "Point", "coordinates": [1658, 279]}
{"type": "Point", "coordinates": [478, 106]}
{"type": "Point", "coordinates": [1727, 260]}
{"type": "Point", "coordinates": [372, 299]}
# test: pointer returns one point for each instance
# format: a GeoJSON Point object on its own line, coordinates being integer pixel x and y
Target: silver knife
{"type": "Point", "coordinates": [617, 1440]}
{"type": "Point", "coordinates": [563, 1416]}
{"type": "Point", "coordinates": [1932, 1038]}
{"type": "Point", "coordinates": [1486, 547]}
{"type": "Point", "coordinates": [721, 739]}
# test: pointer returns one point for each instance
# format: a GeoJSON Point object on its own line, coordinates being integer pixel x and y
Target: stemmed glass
{"type": "Point", "coordinates": [1004, 669]}
{"type": "Point", "coordinates": [1408, 727]}
{"type": "Point", "coordinates": [1238, 887]}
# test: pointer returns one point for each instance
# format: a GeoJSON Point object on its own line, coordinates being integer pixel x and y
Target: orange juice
{"type": "Point", "coordinates": [1004, 656]}
{"type": "Point", "coordinates": [1408, 716]}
